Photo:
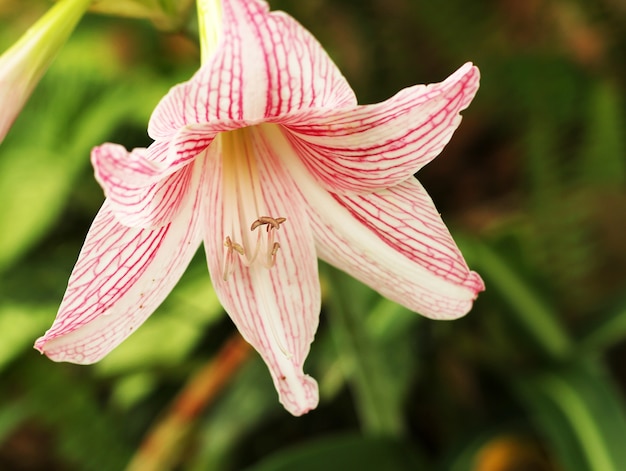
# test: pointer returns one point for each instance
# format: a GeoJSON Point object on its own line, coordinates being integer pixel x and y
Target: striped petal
{"type": "Point", "coordinates": [141, 192]}
{"type": "Point", "coordinates": [266, 65]}
{"type": "Point", "coordinates": [122, 275]}
{"type": "Point", "coordinates": [376, 146]}
{"type": "Point", "coordinates": [392, 239]}
{"type": "Point", "coordinates": [276, 308]}
{"type": "Point", "coordinates": [395, 241]}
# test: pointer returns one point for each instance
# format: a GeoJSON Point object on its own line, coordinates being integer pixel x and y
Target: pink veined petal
{"type": "Point", "coordinates": [139, 192]}
{"type": "Point", "coordinates": [266, 65]}
{"type": "Point", "coordinates": [393, 240]}
{"type": "Point", "coordinates": [276, 309]}
{"type": "Point", "coordinates": [122, 275]}
{"type": "Point", "coordinates": [192, 139]}
{"type": "Point", "coordinates": [376, 146]}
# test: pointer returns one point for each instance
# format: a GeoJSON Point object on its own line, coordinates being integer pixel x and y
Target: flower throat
{"type": "Point", "coordinates": [244, 202]}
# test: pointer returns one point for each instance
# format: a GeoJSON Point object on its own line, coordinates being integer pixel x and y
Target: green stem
{"type": "Point", "coordinates": [364, 368]}
{"type": "Point", "coordinates": [609, 330]}
{"type": "Point", "coordinates": [210, 26]}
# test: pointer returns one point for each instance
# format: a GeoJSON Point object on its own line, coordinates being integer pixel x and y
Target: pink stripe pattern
{"type": "Point", "coordinates": [265, 157]}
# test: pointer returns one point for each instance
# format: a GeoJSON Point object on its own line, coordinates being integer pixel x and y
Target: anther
{"type": "Point", "coordinates": [271, 222]}
{"type": "Point", "coordinates": [228, 243]}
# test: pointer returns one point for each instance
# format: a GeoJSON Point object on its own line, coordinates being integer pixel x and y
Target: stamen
{"type": "Point", "coordinates": [228, 258]}
{"type": "Point", "coordinates": [275, 248]}
{"type": "Point", "coordinates": [272, 255]}
{"type": "Point", "coordinates": [264, 245]}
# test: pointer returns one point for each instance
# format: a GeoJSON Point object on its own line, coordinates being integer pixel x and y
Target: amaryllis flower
{"type": "Point", "coordinates": [265, 156]}
{"type": "Point", "coordinates": [25, 62]}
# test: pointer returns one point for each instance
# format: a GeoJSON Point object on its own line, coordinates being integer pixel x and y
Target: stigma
{"type": "Point", "coordinates": [264, 251]}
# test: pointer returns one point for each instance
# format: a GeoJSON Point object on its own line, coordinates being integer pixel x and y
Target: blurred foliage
{"type": "Point", "coordinates": [533, 185]}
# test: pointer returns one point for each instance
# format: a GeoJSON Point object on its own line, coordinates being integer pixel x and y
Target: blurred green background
{"type": "Point", "coordinates": [532, 186]}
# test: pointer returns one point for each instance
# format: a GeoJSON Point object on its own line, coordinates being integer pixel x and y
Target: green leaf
{"type": "Point", "coordinates": [11, 418]}
{"type": "Point", "coordinates": [559, 245]}
{"type": "Point", "coordinates": [19, 326]}
{"type": "Point", "coordinates": [603, 159]}
{"type": "Point", "coordinates": [579, 412]}
{"type": "Point", "coordinates": [389, 326]}
{"type": "Point", "coordinates": [608, 329]}
{"type": "Point", "coordinates": [86, 434]}
{"type": "Point", "coordinates": [34, 185]}
{"type": "Point", "coordinates": [530, 311]}
{"type": "Point", "coordinates": [344, 452]}
{"type": "Point", "coordinates": [372, 382]}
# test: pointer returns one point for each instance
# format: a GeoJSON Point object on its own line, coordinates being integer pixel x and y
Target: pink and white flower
{"type": "Point", "coordinates": [265, 156]}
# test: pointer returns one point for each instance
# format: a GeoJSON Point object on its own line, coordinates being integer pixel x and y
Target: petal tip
{"type": "Point", "coordinates": [298, 395]}
{"type": "Point", "coordinates": [58, 349]}
{"type": "Point", "coordinates": [39, 344]}
{"type": "Point", "coordinates": [475, 283]}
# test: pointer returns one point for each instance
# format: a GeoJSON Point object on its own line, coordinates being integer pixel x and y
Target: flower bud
{"type": "Point", "coordinates": [24, 63]}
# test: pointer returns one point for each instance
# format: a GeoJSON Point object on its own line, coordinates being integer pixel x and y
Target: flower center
{"type": "Point", "coordinates": [251, 198]}
{"type": "Point", "coordinates": [264, 251]}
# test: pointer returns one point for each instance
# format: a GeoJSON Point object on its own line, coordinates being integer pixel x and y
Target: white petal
{"type": "Point", "coordinates": [276, 309]}
{"type": "Point", "coordinates": [122, 275]}
{"type": "Point", "coordinates": [365, 148]}
{"type": "Point", "coordinates": [266, 65]}
{"type": "Point", "coordinates": [393, 240]}
{"type": "Point", "coordinates": [141, 192]}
